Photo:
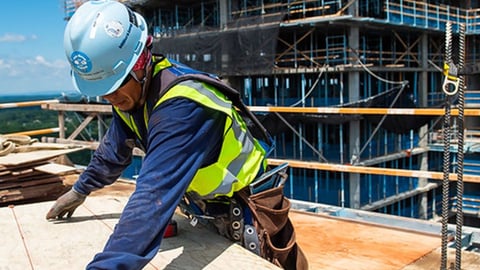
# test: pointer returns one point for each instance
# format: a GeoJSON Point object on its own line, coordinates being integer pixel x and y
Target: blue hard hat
{"type": "Point", "coordinates": [102, 41]}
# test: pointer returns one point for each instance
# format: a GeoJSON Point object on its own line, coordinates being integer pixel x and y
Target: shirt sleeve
{"type": "Point", "coordinates": [112, 156]}
{"type": "Point", "coordinates": [183, 137]}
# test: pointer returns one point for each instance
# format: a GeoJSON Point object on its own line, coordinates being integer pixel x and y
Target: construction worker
{"type": "Point", "coordinates": [195, 142]}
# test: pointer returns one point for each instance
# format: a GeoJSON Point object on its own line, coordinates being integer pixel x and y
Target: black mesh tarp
{"type": "Point", "coordinates": [245, 47]}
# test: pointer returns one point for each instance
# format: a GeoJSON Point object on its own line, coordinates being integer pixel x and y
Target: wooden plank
{"type": "Point", "coordinates": [22, 172]}
{"type": "Point", "coordinates": [54, 168]}
{"type": "Point", "coordinates": [21, 166]}
{"type": "Point", "coordinates": [23, 184]}
{"type": "Point", "coordinates": [373, 111]}
{"type": "Point", "coordinates": [35, 156]}
{"type": "Point", "coordinates": [32, 175]}
{"type": "Point", "coordinates": [371, 170]}
{"type": "Point", "coordinates": [32, 193]}
{"type": "Point", "coordinates": [280, 109]}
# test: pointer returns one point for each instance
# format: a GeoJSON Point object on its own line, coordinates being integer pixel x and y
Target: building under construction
{"type": "Point", "coordinates": [363, 97]}
{"type": "Point", "coordinates": [372, 103]}
{"type": "Point", "coordinates": [351, 90]}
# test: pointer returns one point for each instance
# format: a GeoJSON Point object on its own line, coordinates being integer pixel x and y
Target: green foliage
{"type": "Point", "coordinates": [33, 118]}
{"type": "Point", "coordinates": [26, 119]}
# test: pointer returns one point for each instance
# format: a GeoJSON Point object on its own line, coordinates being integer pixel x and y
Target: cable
{"type": "Point", "coordinates": [356, 158]}
{"type": "Point", "coordinates": [373, 74]}
{"type": "Point", "coordinates": [302, 100]}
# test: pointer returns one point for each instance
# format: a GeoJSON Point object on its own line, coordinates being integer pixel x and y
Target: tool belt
{"type": "Point", "coordinates": [258, 221]}
{"type": "Point", "coordinates": [276, 234]}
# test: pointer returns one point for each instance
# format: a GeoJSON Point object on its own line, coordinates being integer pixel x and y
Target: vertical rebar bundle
{"type": "Point", "coordinates": [460, 154]}
{"type": "Point", "coordinates": [453, 85]}
{"type": "Point", "coordinates": [446, 151]}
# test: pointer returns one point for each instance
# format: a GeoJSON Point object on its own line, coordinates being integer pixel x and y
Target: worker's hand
{"type": "Point", "coordinates": [66, 204]}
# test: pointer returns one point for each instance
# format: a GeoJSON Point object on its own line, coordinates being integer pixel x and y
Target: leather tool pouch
{"type": "Point", "coordinates": [276, 233]}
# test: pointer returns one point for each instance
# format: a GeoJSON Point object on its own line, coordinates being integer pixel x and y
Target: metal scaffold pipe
{"type": "Point", "coordinates": [27, 103]}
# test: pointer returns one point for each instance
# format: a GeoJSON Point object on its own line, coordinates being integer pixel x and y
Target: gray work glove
{"type": "Point", "coordinates": [66, 204]}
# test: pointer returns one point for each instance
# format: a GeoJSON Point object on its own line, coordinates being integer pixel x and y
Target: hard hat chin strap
{"type": "Point", "coordinates": [144, 82]}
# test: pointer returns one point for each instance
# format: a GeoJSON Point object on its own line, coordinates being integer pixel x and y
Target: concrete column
{"type": "Point", "coordinates": [423, 96]}
{"type": "Point", "coordinates": [223, 6]}
{"type": "Point", "coordinates": [354, 126]}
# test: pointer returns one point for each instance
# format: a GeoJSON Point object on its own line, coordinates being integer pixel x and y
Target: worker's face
{"type": "Point", "coordinates": [128, 95]}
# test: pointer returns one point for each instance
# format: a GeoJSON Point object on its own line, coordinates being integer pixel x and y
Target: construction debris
{"type": "Point", "coordinates": [33, 176]}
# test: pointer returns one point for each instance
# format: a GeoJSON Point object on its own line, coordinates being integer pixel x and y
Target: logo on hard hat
{"type": "Point", "coordinates": [114, 29]}
{"type": "Point", "coordinates": [81, 62]}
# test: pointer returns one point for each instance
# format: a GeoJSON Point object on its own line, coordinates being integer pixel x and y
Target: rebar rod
{"type": "Point", "coordinates": [460, 152]}
{"type": "Point", "coordinates": [446, 153]}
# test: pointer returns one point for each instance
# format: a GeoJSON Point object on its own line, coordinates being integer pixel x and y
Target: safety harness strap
{"type": "Point", "coordinates": [230, 93]}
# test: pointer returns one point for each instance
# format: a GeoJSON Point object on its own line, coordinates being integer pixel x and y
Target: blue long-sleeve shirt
{"type": "Point", "coordinates": [182, 137]}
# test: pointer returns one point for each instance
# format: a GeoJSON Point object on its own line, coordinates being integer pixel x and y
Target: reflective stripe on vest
{"type": "Point", "coordinates": [241, 156]}
{"type": "Point", "coordinates": [160, 65]}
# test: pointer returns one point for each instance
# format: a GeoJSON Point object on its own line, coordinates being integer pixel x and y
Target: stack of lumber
{"type": "Point", "coordinates": [34, 176]}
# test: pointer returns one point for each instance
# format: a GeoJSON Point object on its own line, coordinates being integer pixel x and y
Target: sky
{"type": "Point", "coordinates": [32, 59]}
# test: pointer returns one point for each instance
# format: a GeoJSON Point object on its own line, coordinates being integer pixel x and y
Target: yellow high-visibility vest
{"type": "Point", "coordinates": [241, 156]}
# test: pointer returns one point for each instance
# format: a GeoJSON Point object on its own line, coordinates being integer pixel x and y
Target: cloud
{"type": "Point", "coordinates": [39, 64]}
{"type": "Point", "coordinates": [7, 37]}
{"type": "Point", "coordinates": [7, 66]}
{"type": "Point", "coordinates": [34, 73]}
{"type": "Point", "coordinates": [41, 61]}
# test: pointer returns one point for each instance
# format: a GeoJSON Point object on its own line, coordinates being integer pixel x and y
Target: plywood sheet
{"type": "Point", "coordinates": [72, 244]}
{"type": "Point", "coordinates": [432, 261]}
{"type": "Point", "coordinates": [39, 155]}
{"type": "Point", "coordinates": [334, 243]}
{"type": "Point", "coordinates": [12, 250]}
{"type": "Point", "coordinates": [60, 245]}
{"type": "Point", "coordinates": [328, 242]}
